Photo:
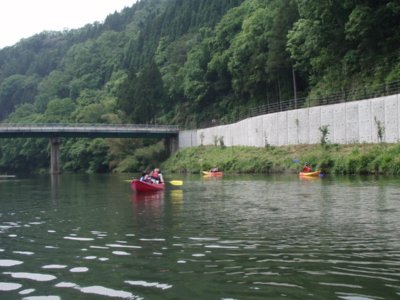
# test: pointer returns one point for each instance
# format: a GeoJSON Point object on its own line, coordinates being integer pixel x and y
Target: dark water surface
{"type": "Point", "coordinates": [91, 237]}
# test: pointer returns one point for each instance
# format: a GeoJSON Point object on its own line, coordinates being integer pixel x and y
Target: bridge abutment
{"type": "Point", "coordinates": [55, 155]}
{"type": "Point", "coordinates": [172, 144]}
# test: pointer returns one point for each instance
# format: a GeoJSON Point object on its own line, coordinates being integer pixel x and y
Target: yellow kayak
{"type": "Point", "coordinates": [206, 173]}
{"type": "Point", "coordinates": [310, 174]}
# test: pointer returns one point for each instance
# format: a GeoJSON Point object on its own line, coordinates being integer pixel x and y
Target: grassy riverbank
{"type": "Point", "coordinates": [334, 159]}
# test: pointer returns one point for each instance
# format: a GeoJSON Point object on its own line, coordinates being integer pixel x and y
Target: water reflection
{"type": "Point", "coordinates": [148, 205]}
{"type": "Point", "coordinates": [148, 197]}
{"type": "Point", "coordinates": [310, 178]}
{"type": "Point", "coordinates": [177, 197]}
{"type": "Point", "coordinates": [212, 178]}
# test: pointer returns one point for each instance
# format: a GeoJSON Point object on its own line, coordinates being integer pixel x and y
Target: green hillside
{"type": "Point", "coordinates": [187, 62]}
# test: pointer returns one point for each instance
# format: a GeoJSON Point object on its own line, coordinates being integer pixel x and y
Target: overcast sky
{"type": "Point", "coordinates": [24, 18]}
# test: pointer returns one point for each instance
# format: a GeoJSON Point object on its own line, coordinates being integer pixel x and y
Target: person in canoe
{"type": "Point", "coordinates": [213, 170]}
{"type": "Point", "coordinates": [156, 176]}
{"type": "Point", "coordinates": [307, 168]}
{"type": "Point", "coordinates": [145, 177]}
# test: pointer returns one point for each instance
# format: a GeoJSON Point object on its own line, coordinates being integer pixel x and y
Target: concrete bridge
{"type": "Point", "coordinates": [56, 131]}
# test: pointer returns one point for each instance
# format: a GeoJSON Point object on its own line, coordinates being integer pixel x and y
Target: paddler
{"type": "Point", "coordinates": [307, 168]}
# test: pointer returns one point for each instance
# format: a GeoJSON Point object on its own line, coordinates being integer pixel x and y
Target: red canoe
{"type": "Point", "coordinates": [141, 186]}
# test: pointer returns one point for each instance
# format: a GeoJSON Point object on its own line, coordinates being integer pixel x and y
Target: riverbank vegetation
{"type": "Point", "coordinates": [361, 159]}
{"type": "Point", "coordinates": [191, 63]}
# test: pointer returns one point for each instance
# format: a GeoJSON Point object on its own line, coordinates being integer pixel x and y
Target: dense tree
{"type": "Point", "coordinates": [149, 95]}
{"type": "Point", "coordinates": [59, 111]}
{"type": "Point", "coordinates": [192, 63]}
{"type": "Point", "coordinates": [15, 90]}
{"type": "Point", "coordinates": [279, 62]}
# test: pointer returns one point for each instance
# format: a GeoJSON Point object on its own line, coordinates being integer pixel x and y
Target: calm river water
{"type": "Point", "coordinates": [272, 237]}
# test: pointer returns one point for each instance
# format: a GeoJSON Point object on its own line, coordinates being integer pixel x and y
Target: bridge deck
{"type": "Point", "coordinates": [87, 130]}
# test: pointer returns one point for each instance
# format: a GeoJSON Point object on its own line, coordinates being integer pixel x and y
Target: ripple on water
{"type": "Point", "coordinates": [54, 267]}
{"type": "Point", "coordinates": [157, 285]}
{"type": "Point", "coordinates": [354, 297]}
{"type": "Point", "coordinates": [353, 286]}
{"type": "Point", "coordinates": [42, 298]}
{"type": "Point", "coordinates": [284, 284]}
{"type": "Point", "coordinates": [24, 252]}
{"type": "Point", "coordinates": [103, 291]}
{"type": "Point", "coordinates": [9, 286]}
{"type": "Point", "coordinates": [221, 247]}
{"type": "Point", "coordinates": [66, 285]}
{"type": "Point", "coordinates": [75, 238]}
{"type": "Point", "coordinates": [198, 255]}
{"type": "Point", "coordinates": [79, 270]}
{"type": "Point", "coordinates": [27, 291]}
{"type": "Point", "coordinates": [123, 246]}
{"type": "Point", "coordinates": [98, 290]}
{"type": "Point", "coordinates": [99, 247]}
{"type": "Point", "coordinates": [122, 253]}
{"type": "Point", "coordinates": [9, 262]}
{"type": "Point", "coordinates": [31, 276]}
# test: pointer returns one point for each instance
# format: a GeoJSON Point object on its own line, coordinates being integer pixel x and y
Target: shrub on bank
{"type": "Point", "coordinates": [336, 159]}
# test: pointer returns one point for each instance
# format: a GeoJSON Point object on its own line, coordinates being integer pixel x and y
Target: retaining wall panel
{"type": "Point", "coordinates": [210, 136]}
{"type": "Point", "coordinates": [391, 123]}
{"type": "Point", "coordinates": [270, 127]}
{"type": "Point", "coordinates": [293, 127]}
{"type": "Point", "coordinates": [255, 131]}
{"type": "Point", "coordinates": [244, 133]}
{"type": "Point", "coordinates": [282, 127]}
{"type": "Point", "coordinates": [235, 137]}
{"type": "Point", "coordinates": [398, 115]}
{"type": "Point", "coordinates": [228, 139]}
{"type": "Point", "coordinates": [327, 120]}
{"type": "Point", "coordinates": [304, 124]}
{"type": "Point", "coordinates": [365, 122]}
{"type": "Point", "coordinates": [352, 122]}
{"type": "Point", "coordinates": [339, 119]}
{"type": "Point", "coordinates": [377, 114]}
{"type": "Point", "coordinates": [187, 138]}
{"type": "Point", "coordinates": [315, 124]}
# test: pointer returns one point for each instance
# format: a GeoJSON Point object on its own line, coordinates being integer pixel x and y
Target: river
{"type": "Point", "coordinates": [237, 237]}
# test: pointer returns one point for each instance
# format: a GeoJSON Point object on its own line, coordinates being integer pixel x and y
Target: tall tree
{"type": "Point", "coordinates": [15, 90]}
{"type": "Point", "coordinates": [148, 95]}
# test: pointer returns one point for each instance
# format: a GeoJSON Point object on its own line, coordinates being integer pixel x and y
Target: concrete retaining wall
{"type": "Point", "coordinates": [352, 122]}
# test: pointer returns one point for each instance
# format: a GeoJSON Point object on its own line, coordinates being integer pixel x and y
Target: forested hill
{"type": "Point", "coordinates": [187, 62]}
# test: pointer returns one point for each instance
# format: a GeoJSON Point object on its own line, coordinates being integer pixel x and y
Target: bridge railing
{"type": "Point", "coordinates": [88, 126]}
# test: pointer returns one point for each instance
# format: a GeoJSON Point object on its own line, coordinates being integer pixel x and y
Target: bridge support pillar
{"type": "Point", "coordinates": [55, 155]}
{"type": "Point", "coordinates": [171, 144]}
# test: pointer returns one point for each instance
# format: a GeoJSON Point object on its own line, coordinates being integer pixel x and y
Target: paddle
{"type": "Point", "coordinates": [173, 182]}
{"type": "Point", "coordinates": [176, 182]}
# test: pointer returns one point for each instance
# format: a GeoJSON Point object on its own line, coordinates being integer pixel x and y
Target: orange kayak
{"type": "Point", "coordinates": [310, 174]}
{"type": "Point", "coordinates": [207, 173]}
